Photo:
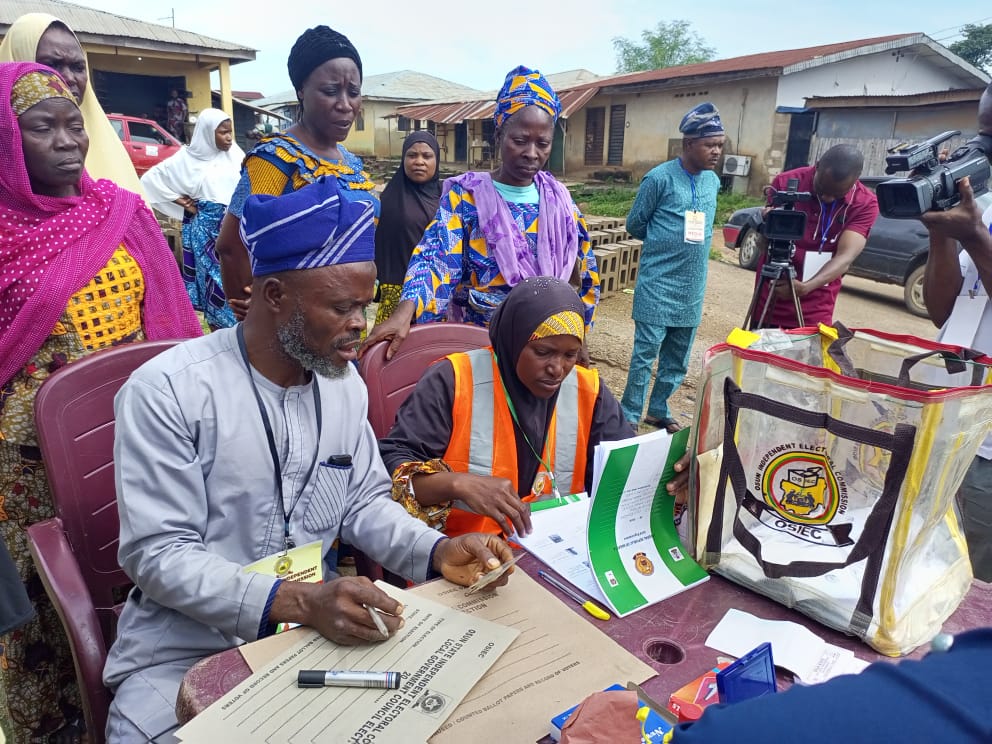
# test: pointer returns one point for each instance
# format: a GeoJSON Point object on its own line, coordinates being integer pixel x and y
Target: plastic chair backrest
{"type": "Point", "coordinates": [74, 411]}
{"type": "Point", "coordinates": [389, 383]}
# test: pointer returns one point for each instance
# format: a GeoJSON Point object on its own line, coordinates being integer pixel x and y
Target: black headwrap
{"type": "Point", "coordinates": [407, 208]}
{"type": "Point", "coordinates": [314, 47]}
{"type": "Point", "coordinates": [526, 307]}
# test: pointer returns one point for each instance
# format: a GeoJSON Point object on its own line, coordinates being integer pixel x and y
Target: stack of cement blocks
{"type": "Point", "coordinates": [618, 255]}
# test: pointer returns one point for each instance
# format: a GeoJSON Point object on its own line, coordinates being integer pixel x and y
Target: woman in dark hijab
{"type": "Point", "coordinates": [409, 202]}
{"type": "Point", "coordinates": [498, 427]}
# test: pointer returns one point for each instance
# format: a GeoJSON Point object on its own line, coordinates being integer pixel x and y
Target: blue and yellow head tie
{"type": "Point", "coordinates": [525, 87]}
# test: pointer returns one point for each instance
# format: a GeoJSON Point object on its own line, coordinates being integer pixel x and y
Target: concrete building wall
{"type": "Point", "coordinates": [651, 128]}
{"type": "Point", "coordinates": [875, 130]}
{"type": "Point", "coordinates": [164, 64]}
{"type": "Point", "coordinates": [381, 136]}
{"type": "Point", "coordinates": [883, 74]}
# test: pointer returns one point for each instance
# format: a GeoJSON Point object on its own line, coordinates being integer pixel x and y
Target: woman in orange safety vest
{"type": "Point", "coordinates": [487, 431]}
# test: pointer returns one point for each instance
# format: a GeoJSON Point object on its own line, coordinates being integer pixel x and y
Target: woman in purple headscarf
{"type": "Point", "coordinates": [492, 231]}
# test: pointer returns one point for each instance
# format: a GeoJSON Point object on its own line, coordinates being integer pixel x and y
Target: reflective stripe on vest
{"type": "Point", "coordinates": [482, 433]}
{"type": "Point", "coordinates": [480, 447]}
{"type": "Point", "coordinates": [563, 431]}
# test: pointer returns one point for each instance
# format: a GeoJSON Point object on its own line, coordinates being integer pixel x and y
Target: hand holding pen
{"type": "Point", "coordinates": [344, 610]}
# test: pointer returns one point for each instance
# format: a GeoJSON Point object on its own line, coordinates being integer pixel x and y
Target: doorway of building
{"type": "Point", "coordinates": [595, 124]}
{"type": "Point", "coordinates": [618, 122]}
{"type": "Point", "coordinates": [800, 137]}
{"type": "Point", "coordinates": [461, 142]}
{"type": "Point", "coordinates": [144, 96]}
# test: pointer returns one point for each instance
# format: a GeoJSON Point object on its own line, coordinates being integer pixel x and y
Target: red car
{"type": "Point", "coordinates": [146, 142]}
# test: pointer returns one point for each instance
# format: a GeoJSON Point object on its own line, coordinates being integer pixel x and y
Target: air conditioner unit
{"type": "Point", "coordinates": [736, 165]}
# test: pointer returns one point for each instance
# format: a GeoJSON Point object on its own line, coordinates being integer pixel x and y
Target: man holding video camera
{"type": "Point", "coordinates": [838, 219]}
{"type": "Point", "coordinates": [956, 291]}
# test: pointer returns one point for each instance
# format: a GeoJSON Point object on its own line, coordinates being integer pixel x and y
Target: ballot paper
{"type": "Point", "coordinates": [558, 658]}
{"type": "Point", "coordinates": [794, 647]}
{"type": "Point", "coordinates": [440, 652]}
{"type": "Point", "coordinates": [636, 554]}
{"type": "Point", "coordinates": [558, 539]}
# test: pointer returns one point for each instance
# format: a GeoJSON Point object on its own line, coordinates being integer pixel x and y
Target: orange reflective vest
{"type": "Point", "coordinates": [482, 432]}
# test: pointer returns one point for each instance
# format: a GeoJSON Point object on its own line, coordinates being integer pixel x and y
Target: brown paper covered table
{"type": "Point", "coordinates": [669, 636]}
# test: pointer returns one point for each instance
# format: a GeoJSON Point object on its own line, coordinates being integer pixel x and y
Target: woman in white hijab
{"type": "Point", "coordinates": [43, 38]}
{"type": "Point", "coordinates": [196, 185]}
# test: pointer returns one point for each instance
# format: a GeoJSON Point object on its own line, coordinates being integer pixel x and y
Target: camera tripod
{"type": "Point", "coordinates": [771, 273]}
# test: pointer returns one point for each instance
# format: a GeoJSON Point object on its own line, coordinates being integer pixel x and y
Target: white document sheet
{"type": "Point", "coordinates": [559, 541]}
{"type": "Point", "coordinates": [441, 654]}
{"type": "Point", "coordinates": [794, 646]}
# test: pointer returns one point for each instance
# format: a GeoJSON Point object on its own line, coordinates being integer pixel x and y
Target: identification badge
{"type": "Point", "coordinates": [965, 318]}
{"type": "Point", "coordinates": [302, 563]}
{"type": "Point", "coordinates": [813, 262]}
{"type": "Point", "coordinates": [695, 226]}
{"type": "Point", "coordinates": [542, 483]}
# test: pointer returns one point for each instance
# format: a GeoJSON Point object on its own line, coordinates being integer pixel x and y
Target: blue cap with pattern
{"type": "Point", "coordinates": [312, 227]}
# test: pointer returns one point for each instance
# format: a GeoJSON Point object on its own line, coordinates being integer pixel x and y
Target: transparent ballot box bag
{"type": "Point", "coordinates": [825, 475]}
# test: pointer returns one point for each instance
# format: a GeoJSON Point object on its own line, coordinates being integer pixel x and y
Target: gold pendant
{"type": "Point", "coordinates": [541, 481]}
{"type": "Point", "coordinates": [283, 564]}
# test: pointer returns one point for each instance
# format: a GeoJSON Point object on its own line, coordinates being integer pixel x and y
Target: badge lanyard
{"type": "Point", "coordinates": [289, 544]}
{"type": "Point", "coordinates": [516, 420]}
{"type": "Point", "coordinates": [826, 229]}
{"type": "Point", "coordinates": [692, 185]}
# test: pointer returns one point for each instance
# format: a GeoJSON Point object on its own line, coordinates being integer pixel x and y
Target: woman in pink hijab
{"type": "Point", "coordinates": [83, 266]}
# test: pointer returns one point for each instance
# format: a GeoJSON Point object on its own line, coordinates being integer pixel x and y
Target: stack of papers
{"type": "Point", "coordinates": [794, 647]}
{"type": "Point", "coordinates": [621, 546]}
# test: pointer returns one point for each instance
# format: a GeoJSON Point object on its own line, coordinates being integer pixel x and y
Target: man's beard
{"type": "Point", "coordinates": [292, 338]}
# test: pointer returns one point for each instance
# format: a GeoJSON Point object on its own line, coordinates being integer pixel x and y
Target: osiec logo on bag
{"type": "Point", "coordinates": [803, 491]}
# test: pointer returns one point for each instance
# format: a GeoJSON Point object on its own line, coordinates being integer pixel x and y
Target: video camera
{"type": "Point", "coordinates": [933, 184]}
{"type": "Point", "coordinates": [783, 224]}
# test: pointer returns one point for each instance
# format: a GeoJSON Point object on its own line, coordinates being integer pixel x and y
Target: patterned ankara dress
{"type": "Point", "coordinates": [37, 679]}
{"type": "Point", "coordinates": [452, 263]}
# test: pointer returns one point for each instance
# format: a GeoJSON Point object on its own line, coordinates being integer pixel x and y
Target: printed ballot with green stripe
{"type": "Point", "coordinates": [636, 555]}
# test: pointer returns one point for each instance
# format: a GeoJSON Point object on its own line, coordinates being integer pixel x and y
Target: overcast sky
{"type": "Point", "coordinates": [475, 43]}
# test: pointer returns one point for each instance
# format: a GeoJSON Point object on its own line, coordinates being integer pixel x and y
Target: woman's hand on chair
{"type": "Point", "coordinates": [494, 498]}
{"type": "Point", "coordinates": [394, 330]}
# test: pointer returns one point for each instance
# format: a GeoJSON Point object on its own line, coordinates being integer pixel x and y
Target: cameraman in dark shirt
{"type": "Point", "coordinates": [956, 290]}
{"type": "Point", "coordinates": [838, 220]}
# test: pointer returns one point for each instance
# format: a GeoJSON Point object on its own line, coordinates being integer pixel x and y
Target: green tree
{"type": "Point", "coordinates": [668, 44]}
{"type": "Point", "coordinates": [976, 46]}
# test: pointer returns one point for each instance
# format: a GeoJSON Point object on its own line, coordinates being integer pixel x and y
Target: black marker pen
{"type": "Point", "coordinates": [334, 678]}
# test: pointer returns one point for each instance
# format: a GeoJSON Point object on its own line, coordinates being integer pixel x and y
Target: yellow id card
{"type": "Point", "coordinates": [302, 563]}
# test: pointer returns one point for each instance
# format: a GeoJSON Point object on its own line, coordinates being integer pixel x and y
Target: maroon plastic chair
{"type": "Point", "coordinates": [76, 551]}
{"type": "Point", "coordinates": [390, 382]}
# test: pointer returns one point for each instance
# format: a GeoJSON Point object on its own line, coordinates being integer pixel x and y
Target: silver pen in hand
{"type": "Point", "coordinates": [377, 620]}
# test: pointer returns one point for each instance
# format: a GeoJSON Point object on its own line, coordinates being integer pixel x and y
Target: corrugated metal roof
{"type": "Point", "coordinates": [403, 85]}
{"type": "Point", "coordinates": [411, 85]}
{"type": "Point", "coordinates": [750, 62]}
{"type": "Point", "coordinates": [455, 112]}
{"type": "Point", "coordinates": [100, 27]}
{"type": "Point", "coordinates": [895, 101]}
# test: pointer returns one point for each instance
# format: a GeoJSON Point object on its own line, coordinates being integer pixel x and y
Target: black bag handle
{"type": "Point", "coordinates": [954, 364]}
{"type": "Point", "coordinates": [872, 539]}
{"type": "Point", "coordinates": [836, 350]}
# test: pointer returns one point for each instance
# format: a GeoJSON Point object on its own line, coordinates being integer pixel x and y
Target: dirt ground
{"type": "Point", "coordinates": [862, 304]}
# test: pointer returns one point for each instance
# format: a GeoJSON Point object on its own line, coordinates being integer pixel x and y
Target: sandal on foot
{"type": "Point", "coordinates": [667, 423]}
